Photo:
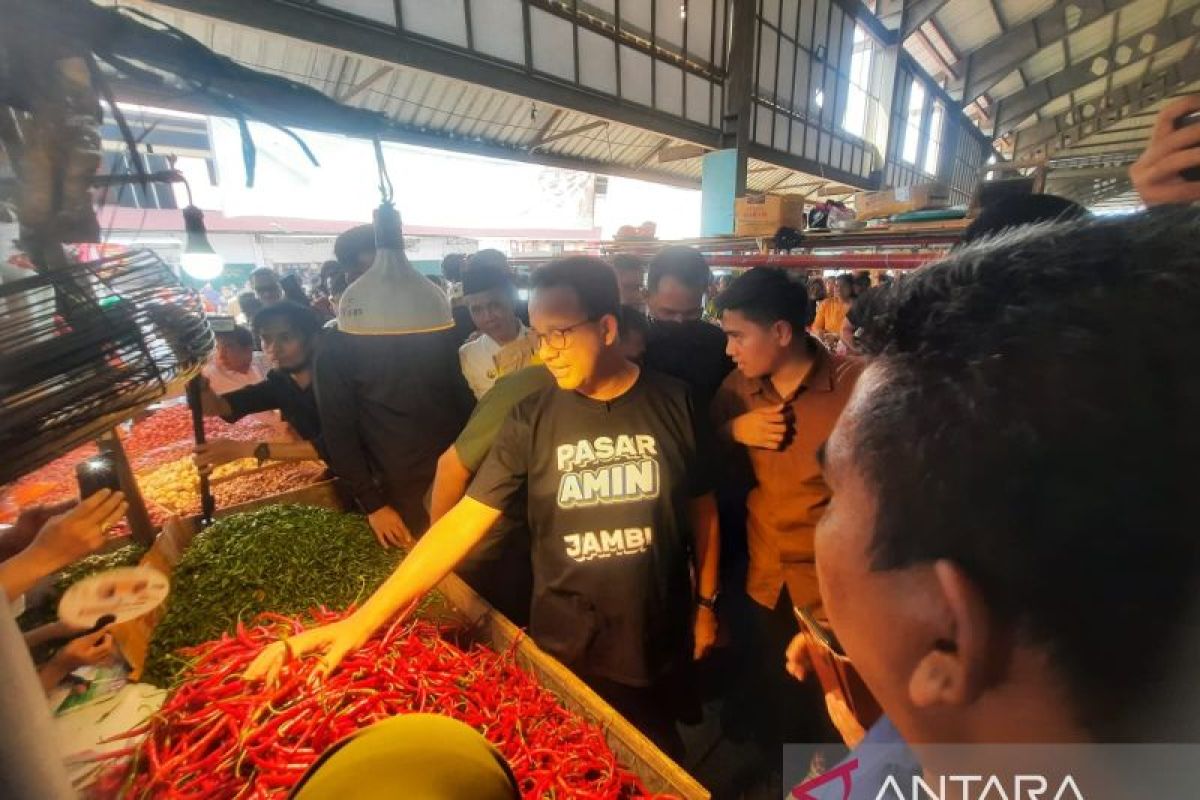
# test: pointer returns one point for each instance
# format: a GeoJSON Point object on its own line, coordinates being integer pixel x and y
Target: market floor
{"type": "Point", "coordinates": [723, 753]}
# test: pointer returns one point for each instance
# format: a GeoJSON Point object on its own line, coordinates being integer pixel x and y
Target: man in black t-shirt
{"type": "Point", "coordinates": [680, 342]}
{"type": "Point", "coordinates": [288, 332]}
{"type": "Point", "coordinates": [619, 503]}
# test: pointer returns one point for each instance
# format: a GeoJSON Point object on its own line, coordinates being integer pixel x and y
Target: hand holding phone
{"type": "Point", "coordinates": [96, 473]}
{"type": "Point", "coordinates": [1191, 118]}
{"type": "Point", "coordinates": [1169, 169]}
{"type": "Point", "coordinates": [67, 537]}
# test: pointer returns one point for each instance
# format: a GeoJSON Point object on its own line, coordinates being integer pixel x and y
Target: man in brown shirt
{"type": "Point", "coordinates": [779, 405]}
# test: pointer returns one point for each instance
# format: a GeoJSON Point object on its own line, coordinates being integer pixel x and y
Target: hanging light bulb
{"type": "Point", "coordinates": [392, 297]}
{"type": "Point", "coordinates": [199, 260]}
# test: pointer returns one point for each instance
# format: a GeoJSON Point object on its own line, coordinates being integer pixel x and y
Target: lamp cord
{"type": "Point", "coordinates": [386, 191]}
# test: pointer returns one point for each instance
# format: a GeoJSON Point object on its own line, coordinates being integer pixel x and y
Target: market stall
{"type": "Point", "coordinates": [159, 447]}
{"type": "Point", "coordinates": [94, 350]}
{"type": "Point", "coordinates": [265, 569]}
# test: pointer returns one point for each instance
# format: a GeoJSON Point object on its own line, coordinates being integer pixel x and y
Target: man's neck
{"type": "Point", "coordinates": [611, 380]}
{"type": "Point", "coordinates": [301, 377]}
{"type": "Point", "coordinates": [788, 376]}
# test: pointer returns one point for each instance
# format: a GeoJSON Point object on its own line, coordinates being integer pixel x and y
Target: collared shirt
{"type": "Point", "coordinates": [483, 359]}
{"type": "Point", "coordinates": [789, 494]}
{"type": "Point", "coordinates": [831, 313]}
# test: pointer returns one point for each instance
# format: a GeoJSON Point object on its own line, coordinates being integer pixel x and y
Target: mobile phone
{"type": "Point", "coordinates": [96, 473]}
{"type": "Point", "coordinates": [1191, 173]}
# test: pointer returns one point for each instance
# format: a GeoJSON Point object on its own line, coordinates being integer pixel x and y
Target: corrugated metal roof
{"type": "Point", "coordinates": [431, 103]}
{"type": "Point", "coordinates": [968, 25]}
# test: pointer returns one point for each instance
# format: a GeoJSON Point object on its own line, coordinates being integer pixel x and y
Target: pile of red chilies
{"type": "Point", "coordinates": [218, 736]}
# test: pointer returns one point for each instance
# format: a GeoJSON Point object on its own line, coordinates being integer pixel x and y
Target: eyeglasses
{"type": "Point", "coordinates": [818, 631]}
{"type": "Point", "coordinates": [557, 339]}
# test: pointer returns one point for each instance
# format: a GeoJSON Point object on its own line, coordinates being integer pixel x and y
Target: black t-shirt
{"type": "Point", "coordinates": [693, 352]}
{"type": "Point", "coordinates": [297, 406]}
{"type": "Point", "coordinates": [608, 485]}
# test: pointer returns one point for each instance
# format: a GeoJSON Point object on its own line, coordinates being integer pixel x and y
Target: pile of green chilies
{"type": "Point", "coordinates": [283, 558]}
{"type": "Point", "coordinates": [217, 736]}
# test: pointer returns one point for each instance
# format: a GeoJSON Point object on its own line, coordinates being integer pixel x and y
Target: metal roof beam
{"type": "Point", "coordinates": [806, 165]}
{"type": "Point", "coordinates": [652, 153]}
{"type": "Point", "coordinates": [1075, 125]}
{"type": "Point", "coordinates": [554, 137]}
{"type": "Point", "coordinates": [366, 83]}
{"type": "Point", "coordinates": [1019, 105]}
{"type": "Point", "coordinates": [160, 97]}
{"type": "Point", "coordinates": [992, 62]}
{"type": "Point", "coordinates": [680, 152]}
{"type": "Point", "coordinates": [322, 26]}
{"type": "Point", "coordinates": [548, 126]}
{"type": "Point", "coordinates": [908, 16]}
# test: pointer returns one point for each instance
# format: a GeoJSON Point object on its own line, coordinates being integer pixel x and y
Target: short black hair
{"type": "Point", "coordinates": [264, 271]}
{"type": "Point", "coordinates": [626, 262]}
{"type": "Point", "coordinates": [684, 264]}
{"type": "Point", "coordinates": [452, 264]}
{"type": "Point", "coordinates": [1017, 210]}
{"type": "Point", "coordinates": [350, 244]}
{"type": "Point", "coordinates": [484, 276]}
{"type": "Point", "coordinates": [1035, 424]}
{"type": "Point", "coordinates": [238, 337]}
{"type": "Point", "coordinates": [593, 281]}
{"type": "Point", "coordinates": [250, 305]}
{"type": "Point", "coordinates": [490, 257]}
{"type": "Point", "coordinates": [292, 289]}
{"type": "Point", "coordinates": [845, 278]}
{"type": "Point", "coordinates": [767, 295]}
{"type": "Point", "coordinates": [302, 319]}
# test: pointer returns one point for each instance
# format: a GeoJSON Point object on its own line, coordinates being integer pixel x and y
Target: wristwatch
{"type": "Point", "coordinates": [262, 452]}
{"type": "Point", "coordinates": [708, 602]}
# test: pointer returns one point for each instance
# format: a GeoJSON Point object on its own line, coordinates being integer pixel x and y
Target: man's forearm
{"type": "Point", "coordinates": [445, 544]}
{"type": "Point", "coordinates": [707, 534]}
{"type": "Point", "coordinates": [292, 451]}
{"type": "Point", "coordinates": [44, 633]}
{"type": "Point", "coordinates": [449, 484]}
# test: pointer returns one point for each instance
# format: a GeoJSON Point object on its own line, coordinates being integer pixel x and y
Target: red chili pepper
{"type": "Point", "coordinates": [218, 737]}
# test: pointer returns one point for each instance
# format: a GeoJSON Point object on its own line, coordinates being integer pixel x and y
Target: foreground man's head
{"type": "Point", "coordinates": [1011, 554]}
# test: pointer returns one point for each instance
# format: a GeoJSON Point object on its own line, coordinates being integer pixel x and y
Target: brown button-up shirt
{"type": "Point", "coordinates": [790, 494]}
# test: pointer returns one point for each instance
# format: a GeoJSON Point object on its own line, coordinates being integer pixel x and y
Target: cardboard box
{"type": "Point", "coordinates": [872, 205]}
{"type": "Point", "coordinates": [762, 215]}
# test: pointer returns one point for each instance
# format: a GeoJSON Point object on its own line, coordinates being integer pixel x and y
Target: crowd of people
{"type": "Point", "coordinates": [969, 482]}
{"type": "Point", "coordinates": [641, 482]}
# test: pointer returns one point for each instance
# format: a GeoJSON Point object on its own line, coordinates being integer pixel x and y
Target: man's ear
{"type": "Point", "coordinates": [783, 332]}
{"type": "Point", "coordinates": [611, 330]}
{"type": "Point", "coordinates": [958, 664]}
